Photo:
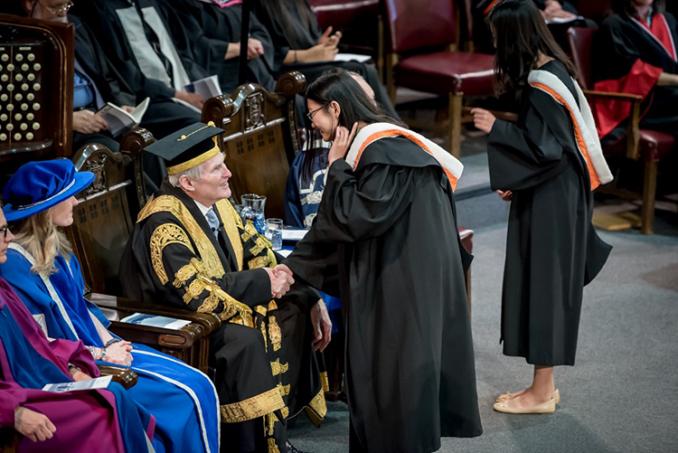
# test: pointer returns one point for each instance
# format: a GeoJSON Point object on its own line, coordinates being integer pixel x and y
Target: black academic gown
{"type": "Point", "coordinates": [163, 115]}
{"type": "Point", "coordinates": [552, 248]}
{"type": "Point", "coordinates": [101, 17]}
{"type": "Point", "coordinates": [308, 35]}
{"type": "Point", "coordinates": [385, 241]}
{"type": "Point", "coordinates": [242, 356]}
{"type": "Point", "coordinates": [618, 45]}
{"type": "Point", "coordinates": [212, 29]}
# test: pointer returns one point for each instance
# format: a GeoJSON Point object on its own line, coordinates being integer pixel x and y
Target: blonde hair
{"type": "Point", "coordinates": [43, 240]}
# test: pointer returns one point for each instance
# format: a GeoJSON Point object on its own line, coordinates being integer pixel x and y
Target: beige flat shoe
{"type": "Point", "coordinates": [505, 407]}
{"type": "Point", "coordinates": [508, 396]}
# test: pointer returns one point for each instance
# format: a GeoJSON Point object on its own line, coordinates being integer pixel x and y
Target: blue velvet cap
{"type": "Point", "coordinates": [39, 185]}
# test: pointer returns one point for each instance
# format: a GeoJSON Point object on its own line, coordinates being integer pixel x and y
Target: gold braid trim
{"type": "Point", "coordinates": [251, 408]}
{"type": "Point", "coordinates": [316, 410]}
{"type": "Point", "coordinates": [231, 221]}
{"type": "Point", "coordinates": [162, 236]}
{"type": "Point", "coordinates": [248, 232]}
{"type": "Point", "coordinates": [274, 333]}
{"type": "Point", "coordinates": [278, 368]}
{"type": "Point", "coordinates": [272, 446]}
{"type": "Point", "coordinates": [258, 262]}
{"type": "Point", "coordinates": [324, 381]}
{"type": "Point", "coordinates": [187, 272]}
{"type": "Point", "coordinates": [260, 244]}
{"type": "Point", "coordinates": [285, 389]}
{"type": "Point", "coordinates": [205, 250]}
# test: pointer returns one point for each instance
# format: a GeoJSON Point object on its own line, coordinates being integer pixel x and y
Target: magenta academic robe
{"type": "Point", "coordinates": [85, 421]}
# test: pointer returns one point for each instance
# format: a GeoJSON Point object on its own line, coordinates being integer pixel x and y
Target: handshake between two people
{"type": "Point", "coordinates": [282, 279]}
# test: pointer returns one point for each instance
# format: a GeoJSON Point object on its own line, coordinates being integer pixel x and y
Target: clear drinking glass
{"type": "Point", "coordinates": [274, 229]}
{"type": "Point", "coordinates": [253, 210]}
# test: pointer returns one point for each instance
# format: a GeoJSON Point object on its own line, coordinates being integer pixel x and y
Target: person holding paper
{"type": "Point", "coordinates": [45, 273]}
{"type": "Point", "coordinates": [191, 250]}
{"type": "Point", "coordinates": [78, 422]}
{"type": "Point", "coordinates": [385, 241]}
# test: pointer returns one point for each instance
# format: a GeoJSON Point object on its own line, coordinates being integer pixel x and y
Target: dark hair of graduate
{"type": "Point", "coordinates": [626, 7]}
{"type": "Point", "coordinates": [520, 33]}
{"type": "Point", "coordinates": [338, 85]}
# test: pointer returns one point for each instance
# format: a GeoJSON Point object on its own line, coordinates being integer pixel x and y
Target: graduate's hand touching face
{"type": "Point", "coordinates": [324, 118]}
{"type": "Point", "coordinates": [341, 143]}
{"type": "Point", "coordinates": [62, 214]}
{"type": "Point", "coordinates": [5, 237]}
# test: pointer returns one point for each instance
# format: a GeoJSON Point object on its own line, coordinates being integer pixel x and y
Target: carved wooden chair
{"type": "Point", "coordinates": [261, 137]}
{"type": "Point", "coordinates": [103, 222]}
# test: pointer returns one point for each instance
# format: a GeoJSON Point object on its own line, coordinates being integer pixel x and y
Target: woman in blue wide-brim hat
{"type": "Point", "coordinates": [45, 273]}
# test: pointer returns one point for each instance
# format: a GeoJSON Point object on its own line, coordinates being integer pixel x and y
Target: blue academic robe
{"type": "Point", "coordinates": [183, 400]}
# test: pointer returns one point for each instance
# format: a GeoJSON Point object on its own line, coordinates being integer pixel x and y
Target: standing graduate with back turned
{"type": "Point", "coordinates": [547, 165]}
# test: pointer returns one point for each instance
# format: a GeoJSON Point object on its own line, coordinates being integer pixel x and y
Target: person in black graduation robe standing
{"type": "Point", "coordinates": [546, 164]}
{"type": "Point", "coordinates": [385, 241]}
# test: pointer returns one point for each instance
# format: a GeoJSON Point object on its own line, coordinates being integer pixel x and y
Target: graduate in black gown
{"type": "Point", "coordinates": [136, 39]}
{"type": "Point", "coordinates": [301, 46]}
{"type": "Point", "coordinates": [384, 239]}
{"type": "Point", "coordinates": [547, 165]}
{"type": "Point", "coordinates": [215, 31]}
{"type": "Point", "coordinates": [635, 52]}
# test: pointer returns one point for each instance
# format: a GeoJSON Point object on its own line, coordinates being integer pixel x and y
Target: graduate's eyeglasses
{"type": "Point", "coordinates": [60, 10]}
{"type": "Point", "coordinates": [310, 114]}
{"type": "Point", "coordinates": [4, 231]}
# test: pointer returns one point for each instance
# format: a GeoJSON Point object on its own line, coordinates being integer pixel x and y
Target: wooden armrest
{"type": "Point", "coordinates": [209, 321]}
{"type": "Point", "coordinates": [123, 376]}
{"type": "Point", "coordinates": [633, 126]}
{"type": "Point", "coordinates": [614, 95]}
{"type": "Point", "coordinates": [183, 338]}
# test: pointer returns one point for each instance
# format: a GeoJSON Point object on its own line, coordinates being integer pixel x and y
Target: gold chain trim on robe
{"type": "Point", "coordinates": [206, 251]}
{"type": "Point", "coordinates": [164, 235]}
{"type": "Point", "coordinates": [254, 407]}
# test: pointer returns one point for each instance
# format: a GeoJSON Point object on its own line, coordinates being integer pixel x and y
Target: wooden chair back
{"type": "Point", "coordinates": [261, 137]}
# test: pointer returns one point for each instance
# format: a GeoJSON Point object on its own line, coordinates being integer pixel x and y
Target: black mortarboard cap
{"type": "Point", "coordinates": [188, 147]}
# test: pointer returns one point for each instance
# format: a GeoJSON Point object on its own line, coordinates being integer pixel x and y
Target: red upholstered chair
{"type": "Point", "coordinates": [422, 34]}
{"type": "Point", "coordinates": [648, 145]}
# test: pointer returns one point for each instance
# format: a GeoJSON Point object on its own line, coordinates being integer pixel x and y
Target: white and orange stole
{"type": "Point", "coordinates": [376, 131]}
{"type": "Point", "coordinates": [585, 133]}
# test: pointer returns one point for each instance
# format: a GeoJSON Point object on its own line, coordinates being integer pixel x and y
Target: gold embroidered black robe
{"type": "Point", "coordinates": [265, 368]}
